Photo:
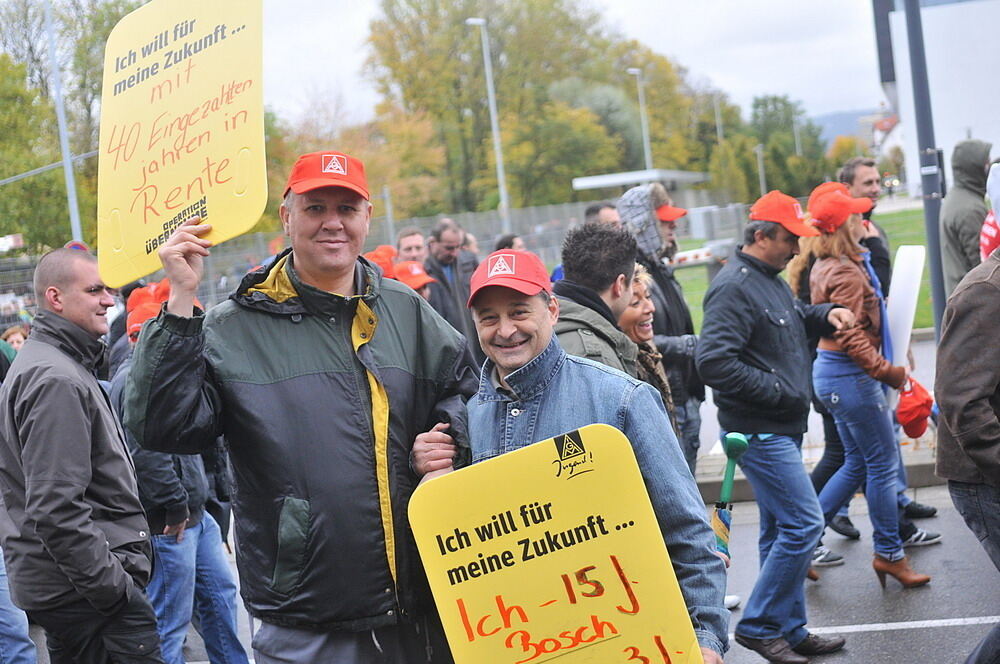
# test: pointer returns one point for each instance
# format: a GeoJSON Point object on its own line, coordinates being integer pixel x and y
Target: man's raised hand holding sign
{"type": "Point", "coordinates": [183, 259]}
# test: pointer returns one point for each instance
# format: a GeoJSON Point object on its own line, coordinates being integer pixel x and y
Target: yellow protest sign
{"type": "Point", "coordinates": [551, 551]}
{"type": "Point", "coordinates": [182, 129]}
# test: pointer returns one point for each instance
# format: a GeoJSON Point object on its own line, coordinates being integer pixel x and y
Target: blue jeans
{"type": "Point", "coordinates": [791, 524]}
{"type": "Point", "coordinates": [979, 505]}
{"type": "Point", "coordinates": [195, 566]}
{"type": "Point", "coordinates": [857, 403]}
{"type": "Point", "coordinates": [688, 417]}
{"type": "Point", "coordinates": [16, 647]}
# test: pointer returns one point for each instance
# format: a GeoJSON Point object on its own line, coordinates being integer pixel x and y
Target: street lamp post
{"type": "Point", "coordinates": [759, 151]}
{"type": "Point", "coordinates": [67, 161]}
{"type": "Point", "coordinates": [930, 168]}
{"type": "Point", "coordinates": [646, 147]}
{"type": "Point", "coordinates": [494, 122]}
{"type": "Point", "coordinates": [718, 117]}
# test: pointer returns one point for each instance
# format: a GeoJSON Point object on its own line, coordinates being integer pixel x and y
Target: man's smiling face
{"type": "Point", "coordinates": [513, 328]}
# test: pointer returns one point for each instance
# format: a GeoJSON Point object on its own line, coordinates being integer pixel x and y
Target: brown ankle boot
{"type": "Point", "coordinates": [899, 570]}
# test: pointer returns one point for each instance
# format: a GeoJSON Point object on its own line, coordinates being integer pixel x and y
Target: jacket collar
{"type": "Point", "coordinates": [585, 297]}
{"type": "Point", "coordinates": [277, 288]}
{"type": "Point", "coordinates": [323, 303]}
{"type": "Point", "coordinates": [531, 379]}
{"type": "Point", "coordinates": [756, 263]}
{"type": "Point", "coordinates": [68, 337]}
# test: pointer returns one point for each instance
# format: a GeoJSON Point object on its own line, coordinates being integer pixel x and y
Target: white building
{"type": "Point", "coordinates": [962, 68]}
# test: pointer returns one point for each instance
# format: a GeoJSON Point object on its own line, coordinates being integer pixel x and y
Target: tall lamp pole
{"type": "Point", "coordinates": [930, 169]}
{"type": "Point", "coordinates": [718, 117]}
{"type": "Point", "coordinates": [494, 122]}
{"type": "Point", "coordinates": [759, 151]}
{"type": "Point", "coordinates": [67, 161]}
{"type": "Point", "coordinates": [646, 147]}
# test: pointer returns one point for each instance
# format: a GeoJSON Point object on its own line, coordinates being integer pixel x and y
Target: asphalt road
{"type": "Point", "coordinates": [891, 626]}
{"type": "Point", "coordinates": [937, 624]}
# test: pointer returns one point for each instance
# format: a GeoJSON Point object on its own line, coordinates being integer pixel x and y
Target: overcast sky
{"type": "Point", "coordinates": [821, 53]}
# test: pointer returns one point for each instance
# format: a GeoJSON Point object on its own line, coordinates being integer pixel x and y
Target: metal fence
{"type": "Point", "coordinates": [542, 228]}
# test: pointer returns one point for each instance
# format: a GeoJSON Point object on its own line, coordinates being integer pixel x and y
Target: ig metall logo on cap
{"type": "Point", "coordinates": [335, 163]}
{"type": "Point", "coordinates": [502, 264]}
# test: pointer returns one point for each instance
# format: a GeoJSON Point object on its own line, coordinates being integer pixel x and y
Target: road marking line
{"type": "Point", "coordinates": [912, 624]}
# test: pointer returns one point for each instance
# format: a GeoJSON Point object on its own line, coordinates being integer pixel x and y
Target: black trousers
{"type": "Point", "coordinates": [77, 633]}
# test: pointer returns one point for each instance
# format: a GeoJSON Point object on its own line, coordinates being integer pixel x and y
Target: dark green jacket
{"type": "Point", "coordinates": [585, 333]}
{"type": "Point", "coordinates": [320, 398]}
{"type": "Point", "coordinates": [963, 212]}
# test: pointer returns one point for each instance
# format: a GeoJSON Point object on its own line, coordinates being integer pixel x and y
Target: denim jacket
{"type": "Point", "coordinates": [555, 393]}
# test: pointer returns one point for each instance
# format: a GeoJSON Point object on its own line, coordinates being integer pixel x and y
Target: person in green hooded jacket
{"type": "Point", "coordinates": [963, 211]}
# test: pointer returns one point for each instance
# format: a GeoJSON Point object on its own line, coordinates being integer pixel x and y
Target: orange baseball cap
{"type": "Point", "coordinates": [915, 405]}
{"type": "Point", "coordinates": [785, 210]}
{"type": "Point", "coordinates": [670, 213]}
{"type": "Point", "coordinates": [327, 169]}
{"type": "Point", "coordinates": [383, 255]}
{"type": "Point", "coordinates": [140, 314]}
{"type": "Point", "coordinates": [522, 271]}
{"type": "Point", "coordinates": [413, 274]}
{"type": "Point", "coordinates": [156, 292]}
{"type": "Point", "coordinates": [831, 204]}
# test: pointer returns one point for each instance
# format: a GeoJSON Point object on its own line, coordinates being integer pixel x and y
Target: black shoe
{"type": "Point", "coordinates": [773, 650]}
{"type": "Point", "coordinates": [917, 510]}
{"type": "Point", "coordinates": [814, 644]}
{"type": "Point", "coordinates": [843, 526]}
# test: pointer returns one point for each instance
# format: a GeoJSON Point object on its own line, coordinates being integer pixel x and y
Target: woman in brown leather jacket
{"type": "Point", "coordinates": [851, 374]}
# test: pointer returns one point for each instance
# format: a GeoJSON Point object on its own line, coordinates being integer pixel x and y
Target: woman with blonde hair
{"type": "Point", "coordinates": [850, 371]}
{"type": "Point", "coordinates": [15, 335]}
{"type": "Point", "coordinates": [637, 324]}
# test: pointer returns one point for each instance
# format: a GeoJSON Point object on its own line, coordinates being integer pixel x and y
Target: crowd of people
{"type": "Point", "coordinates": [331, 383]}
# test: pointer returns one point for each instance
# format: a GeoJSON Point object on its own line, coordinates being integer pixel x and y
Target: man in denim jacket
{"type": "Point", "coordinates": [530, 390]}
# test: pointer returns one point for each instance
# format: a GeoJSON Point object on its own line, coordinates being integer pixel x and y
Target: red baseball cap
{"type": "Point", "coordinates": [413, 274]}
{"type": "Point", "coordinates": [915, 404]}
{"type": "Point", "coordinates": [785, 210]}
{"type": "Point", "coordinates": [140, 314]}
{"type": "Point", "coordinates": [327, 169]}
{"type": "Point", "coordinates": [831, 204]}
{"type": "Point", "coordinates": [383, 256]}
{"type": "Point", "coordinates": [522, 271]}
{"type": "Point", "coordinates": [670, 213]}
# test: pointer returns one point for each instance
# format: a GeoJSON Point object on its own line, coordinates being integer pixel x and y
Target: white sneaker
{"type": "Point", "coordinates": [824, 557]}
{"type": "Point", "coordinates": [922, 538]}
{"type": "Point", "coordinates": [732, 601]}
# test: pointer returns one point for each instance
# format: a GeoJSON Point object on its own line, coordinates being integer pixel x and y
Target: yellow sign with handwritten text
{"type": "Point", "coordinates": [182, 129]}
{"type": "Point", "coordinates": [550, 551]}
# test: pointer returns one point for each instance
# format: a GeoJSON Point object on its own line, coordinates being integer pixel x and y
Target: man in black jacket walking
{"type": "Point", "coordinates": [753, 352]}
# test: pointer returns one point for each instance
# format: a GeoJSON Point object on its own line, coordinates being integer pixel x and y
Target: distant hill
{"type": "Point", "coordinates": [842, 123]}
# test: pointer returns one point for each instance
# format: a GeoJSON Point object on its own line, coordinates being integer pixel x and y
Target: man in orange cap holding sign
{"type": "Point", "coordinates": [321, 374]}
{"type": "Point", "coordinates": [753, 353]}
